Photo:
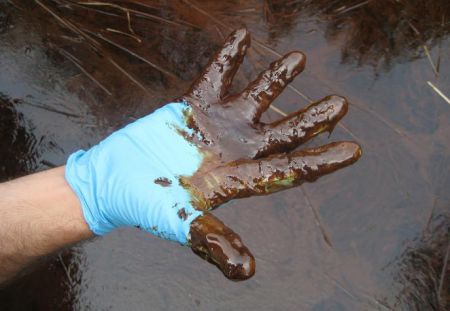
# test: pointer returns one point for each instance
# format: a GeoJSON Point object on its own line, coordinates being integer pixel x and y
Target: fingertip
{"type": "Point", "coordinates": [241, 33]}
{"type": "Point", "coordinates": [295, 62]}
{"type": "Point", "coordinates": [339, 103]}
{"type": "Point", "coordinates": [348, 150]}
{"type": "Point", "coordinates": [250, 268]}
{"type": "Point", "coordinates": [329, 111]}
{"type": "Point", "coordinates": [242, 36]}
{"type": "Point", "coordinates": [357, 150]}
{"type": "Point", "coordinates": [335, 155]}
{"type": "Point", "coordinates": [241, 269]}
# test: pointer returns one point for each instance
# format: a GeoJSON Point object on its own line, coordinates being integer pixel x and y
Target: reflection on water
{"type": "Point", "coordinates": [378, 33]}
{"type": "Point", "coordinates": [371, 237]}
{"type": "Point", "coordinates": [421, 273]}
{"type": "Point", "coordinates": [18, 146]}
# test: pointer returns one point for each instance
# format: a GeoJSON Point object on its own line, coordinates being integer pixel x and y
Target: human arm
{"type": "Point", "coordinates": [39, 214]}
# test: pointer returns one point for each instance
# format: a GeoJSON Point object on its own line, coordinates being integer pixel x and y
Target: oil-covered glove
{"type": "Point", "coordinates": [166, 171]}
{"type": "Point", "coordinates": [132, 177]}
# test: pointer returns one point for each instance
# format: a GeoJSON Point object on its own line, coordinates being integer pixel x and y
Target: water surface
{"type": "Point", "coordinates": [373, 236]}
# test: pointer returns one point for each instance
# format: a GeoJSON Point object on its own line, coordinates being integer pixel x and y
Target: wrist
{"type": "Point", "coordinates": [80, 174]}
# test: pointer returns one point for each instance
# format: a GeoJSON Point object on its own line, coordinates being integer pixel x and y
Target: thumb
{"type": "Point", "coordinates": [213, 241]}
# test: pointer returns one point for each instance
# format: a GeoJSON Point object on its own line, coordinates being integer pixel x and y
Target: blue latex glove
{"type": "Point", "coordinates": [117, 180]}
{"type": "Point", "coordinates": [217, 146]}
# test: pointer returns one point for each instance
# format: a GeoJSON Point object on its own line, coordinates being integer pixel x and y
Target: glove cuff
{"type": "Point", "coordinates": [77, 174]}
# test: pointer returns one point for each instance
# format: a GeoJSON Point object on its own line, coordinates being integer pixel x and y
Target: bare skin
{"type": "Point", "coordinates": [243, 157]}
{"type": "Point", "coordinates": [39, 215]}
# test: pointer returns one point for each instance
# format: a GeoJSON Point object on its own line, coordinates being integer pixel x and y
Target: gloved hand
{"type": "Point", "coordinates": [164, 172]}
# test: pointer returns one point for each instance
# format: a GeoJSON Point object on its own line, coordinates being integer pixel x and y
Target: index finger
{"type": "Point", "coordinates": [247, 177]}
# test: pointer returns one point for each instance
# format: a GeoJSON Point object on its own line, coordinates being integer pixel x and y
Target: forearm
{"type": "Point", "coordinates": [39, 214]}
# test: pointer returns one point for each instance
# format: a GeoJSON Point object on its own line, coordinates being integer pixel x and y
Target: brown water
{"type": "Point", "coordinates": [370, 237]}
